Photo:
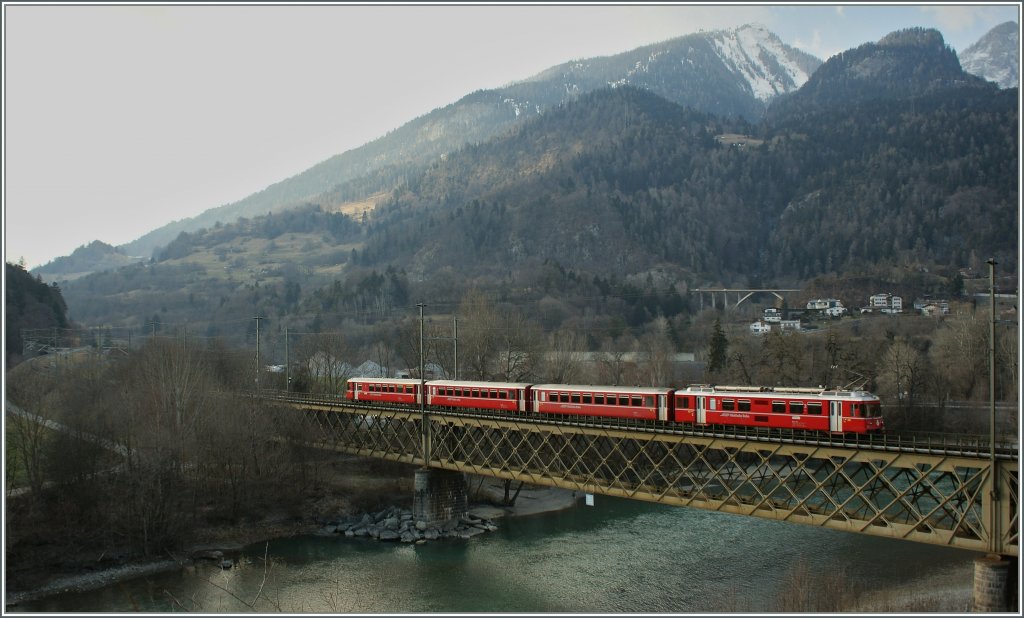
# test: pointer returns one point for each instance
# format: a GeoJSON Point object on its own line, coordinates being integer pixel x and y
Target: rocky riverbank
{"type": "Point", "coordinates": [395, 524]}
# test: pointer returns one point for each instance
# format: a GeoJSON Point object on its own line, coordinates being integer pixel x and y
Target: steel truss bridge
{"type": "Point", "coordinates": [937, 491]}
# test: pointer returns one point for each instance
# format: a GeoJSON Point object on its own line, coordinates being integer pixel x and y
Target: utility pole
{"type": "Point", "coordinates": [423, 398]}
{"type": "Point", "coordinates": [258, 318]}
{"type": "Point", "coordinates": [992, 358]}
{"type": "Point", "coordinates": [455, 336]}
{"type": "Point", "coordinates": [287, 363]}
{"type": "Point", "coordinates": [992, 399]}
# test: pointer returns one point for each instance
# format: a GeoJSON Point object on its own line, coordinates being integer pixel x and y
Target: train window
{"type": "Point", "coordinates": [682, 402]}
{"type": "Point", "coordinates": [872, 410]}
{"type": "Point", "coordinates": [814, 407]}
{"type": "Point", "coordinates": [855, 410]}
{"type": "Point", "coordinates": [623, 400]}
{"type": "Point", "coordinates": [575, 398]}
{"type": "Point", "coordinates": [796, 407]}
{"type": "Point", "coordinates": [744, 405]}
{"type": "Point", "coordinates": [502, 394]}
{"type": "Point", "coordinates": [636, 401]}
{"type": "Point", "coordinates": [599, 399]}
{"type": "Point", "coordinates": [649, 401]}
{"type": "Point", "coordinates": [588, 398]}
{"type": "Point", "coordinates": [728, 404]}
{"type": "Point", "coordinates": [543, 396]}
{"type": "Point", "coordinates": [476, 392]}
{"type": "Point", "coordinates": [494, 394]}
{"type": "Point", "coordinates": [779, 407]}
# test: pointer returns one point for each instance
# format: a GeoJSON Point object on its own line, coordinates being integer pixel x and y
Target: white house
{"type": "Point", "coordinates": [790, 325]}
{"type": "Point", "coordinates": [760, 328]}
{"type": "Point", "coordinates": [772, 315]}
{"type": "Point", "coordinates": [886, 303]}
{"type": "Point", "coordinates": [832, 307]}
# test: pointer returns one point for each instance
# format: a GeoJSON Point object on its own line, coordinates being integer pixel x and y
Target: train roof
{"type": "Point", "coordinates": [591, 388]}
{"type": "Point", "coordinates": [385, 380]}
{"type": "Point", "coordinates": [471, 384]}
{"type": "Point", "coordinates": [768, 391]}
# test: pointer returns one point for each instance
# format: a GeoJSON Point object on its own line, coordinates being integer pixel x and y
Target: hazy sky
{"type": "Point", "coordinates": [120, 119]}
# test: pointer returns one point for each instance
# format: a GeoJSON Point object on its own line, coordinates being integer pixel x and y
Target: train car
{"type": "Point", "coordinates": [604, 401]}
{"type": "Point", "coordinates": [835, 411]}
{"type": "Point", "coordinates": [506, 396]}
{"type": "Point", "coordinates": [383, 390]}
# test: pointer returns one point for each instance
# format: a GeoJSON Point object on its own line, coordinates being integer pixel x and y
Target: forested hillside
{"type": "Point", "coordinates": [707, 71]}
{"type": "Point", "coordinates": [623, 181]}
{"type": "Point", "coordinates": [625, 196]}
{"type": "Point", "coordinates": [28, 304]}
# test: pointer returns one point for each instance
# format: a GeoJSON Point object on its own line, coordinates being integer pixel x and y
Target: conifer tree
{"type": "Point", "coordinates": [717, 349]}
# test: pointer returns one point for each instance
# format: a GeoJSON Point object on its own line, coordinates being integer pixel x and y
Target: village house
{"type": "Point", "coordinates": [931, 307]}
{"type": "Point", "coordinates": [884, 303]}
{"type": "Point", "coordinates": [832, 307]}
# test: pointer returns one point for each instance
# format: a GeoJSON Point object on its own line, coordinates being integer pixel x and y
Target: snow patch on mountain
{"type": "Point", "coordinates": [996, 56]}
{"type": "Point", "coordinates": [761, 59]}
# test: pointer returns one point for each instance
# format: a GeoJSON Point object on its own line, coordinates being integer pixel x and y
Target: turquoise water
{"type": "Point", "coordinates": [618, 556]}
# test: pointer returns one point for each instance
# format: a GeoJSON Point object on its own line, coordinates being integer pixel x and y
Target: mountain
{"type": "Point", "coordinates": [728, 72]}
{"type": "Point", "coordinates": [621, 191]}
{"type": "Point", "coordinates": [906, 63]}
{"type": "Point", "coordinates": [996, 56]}
{"type": "Point", "coordinates": [618, 193]}
{"type": "Point", "coordinates": [97, 256]}
{"type": "Point", "coordinates": [28, 304]}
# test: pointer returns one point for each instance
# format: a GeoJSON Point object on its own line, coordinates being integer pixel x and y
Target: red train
{"type": "Point", "coordinates": [837, 411]}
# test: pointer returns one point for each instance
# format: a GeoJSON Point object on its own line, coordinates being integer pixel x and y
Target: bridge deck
{"type": "Point", "coordinates": [918, 492]}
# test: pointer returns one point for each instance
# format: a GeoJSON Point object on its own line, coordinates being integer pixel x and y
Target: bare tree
{"type": "Point", "coordinates": [519, 341]}
{"type": "Point", "coordinates": [960, 352]}
{"type": "Point", "coordinates": [323, 357]}
{"type": "Point", "coordinates": [745, 358]}
{"type": "Point", "coordinates": [614, 364]}
{"type": "Point", "coordinates": [782, 358]}
{"type": "Point", "coordinates": [31, 391]}
{"type": "Point", "coordinates": [564, 359]}
{"type": "Point", "coordinates": [658, 352]}
{"type": "Point", "coordinates": [903, 374]}
{"type": "Point", "coordinates": [479, 336]}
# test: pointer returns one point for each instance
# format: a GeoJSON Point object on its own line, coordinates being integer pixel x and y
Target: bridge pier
{"type": "Point", "coordinates": [993, 589]}
{"type": "Point", "coordinates": [439, 496]}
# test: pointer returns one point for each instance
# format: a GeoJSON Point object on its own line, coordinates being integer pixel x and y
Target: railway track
{"type": "Point", "coordinates": [961, 445]}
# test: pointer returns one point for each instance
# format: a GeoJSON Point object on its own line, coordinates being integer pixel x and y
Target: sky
{"type": "Point", "coordinates": [119, 119]}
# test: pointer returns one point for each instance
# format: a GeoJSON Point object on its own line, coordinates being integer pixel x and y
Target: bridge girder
{"type": "Point", "coordinates": [923, 497]}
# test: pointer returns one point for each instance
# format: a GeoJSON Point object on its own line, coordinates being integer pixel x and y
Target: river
{"type": "Point", "coordinates": [616, 556]}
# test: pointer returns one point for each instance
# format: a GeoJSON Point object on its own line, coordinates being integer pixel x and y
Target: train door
{"type": "Point", "coordinates": [702, 413]}
{"type": "Point", "coordinates": [835, 416]}
{"type": "Point", "coordinates": [662, 408]}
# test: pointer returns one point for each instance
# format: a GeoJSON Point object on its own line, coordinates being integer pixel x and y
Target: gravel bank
{"type": "Point", "coordinates": [531, 501]}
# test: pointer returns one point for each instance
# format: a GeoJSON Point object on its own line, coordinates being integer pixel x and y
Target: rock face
{"type": "Point", "coordinates": [397, 525]}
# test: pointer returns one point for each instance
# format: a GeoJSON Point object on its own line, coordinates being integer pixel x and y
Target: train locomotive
{"type": "Point", "coordinates": [812, 409]}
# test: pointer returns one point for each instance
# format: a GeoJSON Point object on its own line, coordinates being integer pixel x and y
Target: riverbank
{"type": "Point", "coordinates": [217, 543]}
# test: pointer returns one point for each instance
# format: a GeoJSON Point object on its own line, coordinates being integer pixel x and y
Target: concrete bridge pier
{"type": "Point", "coordinates": [995, 586]}
{"type": "Point", "coordinates": [439, 496]}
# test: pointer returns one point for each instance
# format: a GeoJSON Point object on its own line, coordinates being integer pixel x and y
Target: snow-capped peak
{"type": "Point", "coordinates": [996, 56]}
{"type": "Point", "coordinates": [769, 66]}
